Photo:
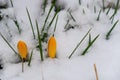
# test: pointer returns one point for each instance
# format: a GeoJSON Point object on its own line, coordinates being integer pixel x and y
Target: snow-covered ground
{"type": "Point", "coordinates": [104, 53]}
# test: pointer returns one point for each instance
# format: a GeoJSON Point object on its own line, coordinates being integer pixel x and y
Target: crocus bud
{"type": "Point", "coordinates": [52, 47]}
{"type": "Point", "coordinates": [22, 49]}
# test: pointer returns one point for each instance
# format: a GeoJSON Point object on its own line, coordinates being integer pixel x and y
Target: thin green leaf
{"type": "Point", "coordinates": [94, 9]}
{"type": "Point", "coordinates": [109, 32]}
{"type": "Point", "coordinates": [8, 43]}
{"type": "Point", "coordinates": [89, 39]}
{"type": "Point", "coordinates": [83, 11]}
{"type": "Point", "coordinates": [11, 3]}
{"type": "Point", "coordinates": [29, 62]}
{"type": "Point", "coordinates": [116, 9]}
{"type": "Point", "coordinates": [86, 49]}
{"type": "Point", "coordinates": [108, 10]}
{"type": "Point", "coordinates": [44, 5]}
{"type": "Point", "coordinates": [55, 25]}
{"type": "Point", "coordinates": [79, 2]}
{"type": "Point", "coordinates": [79, 44]}
{"type": "Point", "coordinates": [17, 25]}
{"type": "Point", "coordinates": [66, 24]}
{"type": "Point", "coordinates": [103, 2]}
{"type": "Point", "coordinates": [72, 16]}
{"type": "Point", "coordinates": [30, 23]}
{"type": "Point", "coordinates": [52, 20]}
{"type": "Point", "coordinates": [40, 44]}
{"type": "Point", "coordinates": [47, 17]}
{"type": "Point", "coordinates": [99, 15]}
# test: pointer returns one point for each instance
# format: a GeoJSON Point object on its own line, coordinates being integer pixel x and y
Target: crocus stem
{"type": "Point", "coordinates": [22, 65]}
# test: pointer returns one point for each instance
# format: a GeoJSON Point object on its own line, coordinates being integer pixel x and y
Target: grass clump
{"type": "Point", "coordinates": [79, 44]}
{"type": "Point", "coordinates": [90, 44]}
{"type": "Point", "coordinates": [109, 32]}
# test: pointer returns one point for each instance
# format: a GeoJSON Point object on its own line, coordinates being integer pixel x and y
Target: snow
{"type": "Point", "coordinates": [104, 53]}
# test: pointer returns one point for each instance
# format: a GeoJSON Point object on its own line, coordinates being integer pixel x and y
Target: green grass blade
{"type": "Point", "coordinates": [89, 39]}
{"type": "Point", "coordinates": [47, 17]}
{"type": "Point", "coordinates": [94, 9]}
{"type": "Point", "coordinates": [98, 18]}
{"type": "Point", "coordinates": [86, 49]}
{"type": "Point", "coordinates": [83, 11]}
{"type": "Point", "coordinates": [52, 20]}
{"type": "Point", "coordinates": [55, 25]}
{"type": "Point", "coordinates": [116, 9]}
{"type": "Point", "coordinates": [108, 10]}
{"type": "Point", "coordinates": [109, 32]}
{"type": "Point", "coordinates": [79, 2]}
{"type": "Point", "coordinates": [11, 3]}
{"type": "Point", "coordinates": [72, 16]}
{"type": "Point", "coordinates": [8, 43]}
{"type": "Point", "coordinates": [30, 23]}
{"type": "Point", "coordinates": [79, 44]}
{"type": "Point", "coordinates": [40, 44]}
{"type": "Point", "coordinates": [66, 24]}
{"type": "Point", "coordinates": [17, 25]}
{"type": "Point", "coordinates": [29, 62]}
{"type": "Point", "coordinates": [44, 5]}
{"type": "Point", "coordinates": [103, 2]}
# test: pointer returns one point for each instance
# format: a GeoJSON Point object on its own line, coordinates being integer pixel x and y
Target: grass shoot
{"type": "Point", "coordinates": [17, 25]}
{"type": "Point", "coordinates": [47, 17]}
{"type": "Point", "coordinates": [72, 16]}
{"type": "Point", "coordinates": [98, 18]}
{"type": "Point", "coordinates": [55, 25]}
{"type": "Point", "coordinates": [94, 9]}
{"type": "Point", "coordinates": [11, 3]}
{"type": "Point", "coordinates": [29, 61]}
{"type": "Point", "coordinates": [79, 44]}
{"type": "Point", "coordinates": [116, 9]}
{"type": "Point", "coordinates": [86, 49]}
{"type": "Point", "coordinates": [8, 43]}
{"type": "Point", "coordinates": [30, 22]}
{"type": "Point", "coordinates": [39, 40]}
{"type": "Point", "coordinates": [52, 20]}
{"type": "Point", "coordinates": [108, 10]}
{"type": "Point", "coordinates": [109, 32]}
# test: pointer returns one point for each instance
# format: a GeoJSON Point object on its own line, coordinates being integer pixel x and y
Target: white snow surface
{"type": "Point", "coordinates": [104, 53]}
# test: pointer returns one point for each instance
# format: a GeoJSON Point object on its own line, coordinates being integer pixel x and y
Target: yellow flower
{"type": "Point", "coordinates": [22, 49]}
{"type": "Point", "coordinates": [52, 47]}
